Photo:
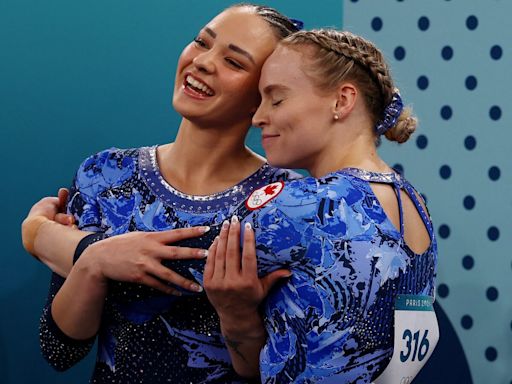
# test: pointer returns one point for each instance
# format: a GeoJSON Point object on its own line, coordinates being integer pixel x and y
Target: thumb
{"type": "Point", "coordinates": [268, 281]}
{"type": "Point", "coordinates": [64, 219]}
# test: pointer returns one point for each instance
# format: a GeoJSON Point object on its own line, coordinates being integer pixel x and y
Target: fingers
{"type": "Point", "coordinates": [62, 195]}
{"type": "Point", "coordinates": [168, 275]}
{"type": "Point", "coordinates": [47, 207]}
{"type": "Point", "coordinates": [220, 255]}
{"type": "Point", "coordinates": [173, 235]}
{"type": "Point", "coordinates": [169, 252]}
{"type": "Point", "coordinates": [210, 261]}
{"type": "Point", "coordinates": [249, 262]}
{"type": "Point", "coordinates": [233, 248]}
{"type": "Point", "coordinates": [155, 283]}
{"type": "Point", "coordinates": [64, 219]}
{"type": "Point", "coordinates": [272, 278]}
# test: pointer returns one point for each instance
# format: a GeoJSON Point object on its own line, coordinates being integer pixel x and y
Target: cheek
{"type": "Point", "coordinates": [186, 57]}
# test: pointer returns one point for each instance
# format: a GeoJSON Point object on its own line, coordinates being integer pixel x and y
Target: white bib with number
{"type": "Point", "coordinates": [416, 335]}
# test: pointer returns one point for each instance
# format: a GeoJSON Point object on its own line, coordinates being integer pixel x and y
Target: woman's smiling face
{"type": "Point", "coordinates": [218, 73]}
{"type": "Point", "coordinates": [293, 112]}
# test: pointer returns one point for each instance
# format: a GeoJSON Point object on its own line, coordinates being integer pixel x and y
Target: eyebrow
{"type": "Point", "coordinates": [241, 51]}
{"type": "Point", "coordinates": [274, 87]}
{"type": "Point", "coordinates": [233, 47]}
{"type": "Point", "coordinates": [210, 32]}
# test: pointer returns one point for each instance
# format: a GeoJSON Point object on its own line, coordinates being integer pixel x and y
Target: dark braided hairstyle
{"type": "Point", "coordinates": [340, 56]}
{"type": "Point", "coordinates": [280, 24]}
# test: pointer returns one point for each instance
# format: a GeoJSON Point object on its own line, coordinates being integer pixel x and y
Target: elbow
{"type": "Point", "coordinates": [250, 373]}
{"type": "Point", "coordinates": [55, 362]}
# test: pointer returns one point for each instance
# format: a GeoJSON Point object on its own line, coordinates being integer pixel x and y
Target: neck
{"type": "Point", "coordinates": [354, 149]}
{"type": "Point", "coordinates": [207, 160]}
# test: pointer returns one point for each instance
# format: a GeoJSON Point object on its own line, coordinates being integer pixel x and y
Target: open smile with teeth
{"type": "Point", "coordinates": [198, 86]}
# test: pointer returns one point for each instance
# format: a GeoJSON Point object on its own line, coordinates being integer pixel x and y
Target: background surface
{"type": "Point", "coordinates": [451, 60]}
{"type": "Point", "coordinates": [76, 78]}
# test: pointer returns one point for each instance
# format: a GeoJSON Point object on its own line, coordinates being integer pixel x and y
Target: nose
{"type": "Point", "coordinates": [205, 62]}
{"type": "Point", "coordinates": [260, 117]}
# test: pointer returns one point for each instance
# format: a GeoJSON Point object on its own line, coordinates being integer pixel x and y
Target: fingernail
{"type": "Point", "coordinates": [203, 253]}
{"type": "Point", "coordinates": [70, 220]}
{"type": "Point", "coordinates": [225, 224]}
{"type": "Point", "coordinates": [205, 229]}
{"type": "Point", "coordinates": [196, 288]}
{"type": "Point", "coordinates": [234, 219]}
{"type": "Point", "coordinates": [248, 226]}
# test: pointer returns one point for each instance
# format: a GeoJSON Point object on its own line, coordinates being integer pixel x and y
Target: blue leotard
{"type": "Point", "coordinates": [146, 336]}
{"type": "Point", "coordinates": [334, 317]}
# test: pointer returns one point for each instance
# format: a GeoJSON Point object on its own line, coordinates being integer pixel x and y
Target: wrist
{"type": "Point", "coordinates": [29, 230]}
{"type": "Point", "coordinates": [247, 326]}
{"type": "Point", "coordinates": [90, 264]}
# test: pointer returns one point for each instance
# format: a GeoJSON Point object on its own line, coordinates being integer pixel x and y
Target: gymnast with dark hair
{"type": "Point", "coordinates": [152, 322]}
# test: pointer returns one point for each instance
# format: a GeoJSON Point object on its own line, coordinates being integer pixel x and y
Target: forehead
{"type": "Point", "coordinates": [284, 66]}
{"type": "Point", "coordinates": [243, 27]}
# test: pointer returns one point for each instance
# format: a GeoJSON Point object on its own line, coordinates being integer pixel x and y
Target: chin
{"type": "Point", "coordinates": [277, 162]}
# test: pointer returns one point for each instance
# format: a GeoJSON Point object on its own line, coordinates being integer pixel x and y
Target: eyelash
{"type": "Point", "coordinates": [234, 63]}
{"type": "Point", "coordinates": [276, 103]}
{"type": "Point", "coordinates": [200, 42]}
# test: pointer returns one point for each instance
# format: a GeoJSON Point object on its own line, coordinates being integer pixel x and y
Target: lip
{"type": "Point", "coordinates": [193, 93]}
{"type": "Point", "coordinates": [266, 138]}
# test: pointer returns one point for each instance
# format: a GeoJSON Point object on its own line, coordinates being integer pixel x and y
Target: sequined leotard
{"type": "Point", "coordinates": [333, 320]}
{"type": "Point", "coordinates": [145, 336]}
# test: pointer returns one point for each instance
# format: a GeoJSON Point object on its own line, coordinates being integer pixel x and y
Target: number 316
{"type": "Point", "coordinates": [414, 345]}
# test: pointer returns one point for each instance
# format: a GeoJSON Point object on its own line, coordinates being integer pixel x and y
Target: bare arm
{"type": "Point", "coordinates": [133, 257]}
{"type": "Point", "coordinates": [77, 307]}
{"type": "Point", "coordinates": [49, 235]}
{"type": "Point", "coordinates": [235, 290]}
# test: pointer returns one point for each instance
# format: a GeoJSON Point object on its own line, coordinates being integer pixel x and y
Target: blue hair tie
{"type": "Point", "coordinates": [391, 114]}
{"type": "Point", "coordinates": [297, 23]}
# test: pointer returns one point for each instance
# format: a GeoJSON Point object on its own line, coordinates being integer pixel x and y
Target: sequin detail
{"type": "Point", "coordinates": [334, 317]}
{"type": "Point", "coordinates": [146, 336]}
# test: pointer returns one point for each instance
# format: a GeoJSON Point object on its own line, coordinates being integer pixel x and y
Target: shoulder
{"type": "Point", "coordinates": [110, 157]}
{"type": "Point", "coordinates": [107, 166]}
{"type": "Point", "coordinates": [305, 192]}
{"type": "Point", "coordinates": [281, 174]}
{"type": "Point", "coordinates": [340, 186]}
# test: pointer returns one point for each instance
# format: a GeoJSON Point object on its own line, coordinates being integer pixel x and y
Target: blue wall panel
{"type": "Point", "coordinates": [75, 78]}
{"type": "Point", "coordinates": [451, 60]}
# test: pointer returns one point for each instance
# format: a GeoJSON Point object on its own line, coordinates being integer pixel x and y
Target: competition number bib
{"type": "Point", "coordinates": [416, 335]}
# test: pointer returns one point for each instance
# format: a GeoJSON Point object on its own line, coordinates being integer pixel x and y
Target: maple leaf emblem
{"type": "Point", "coordinates": [270, 189]}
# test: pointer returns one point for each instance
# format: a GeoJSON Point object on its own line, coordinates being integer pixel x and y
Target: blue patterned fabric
{"type": "Point", "coordinates": [146, 336]}
{"type": "Point", "coordinates": [333, 319]}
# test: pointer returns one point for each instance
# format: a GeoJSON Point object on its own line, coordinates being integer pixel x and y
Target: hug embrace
{"type": "Point", "coordinates": [199, 261]}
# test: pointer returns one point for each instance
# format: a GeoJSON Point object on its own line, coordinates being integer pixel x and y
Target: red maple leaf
{"type": "Point", "coordinates": [270, 189]}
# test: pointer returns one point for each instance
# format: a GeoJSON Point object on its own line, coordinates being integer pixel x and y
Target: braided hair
{"type": "Point", "coordinates": [340, 56]}
{"type": "Point", "coordinates": [280, 24]}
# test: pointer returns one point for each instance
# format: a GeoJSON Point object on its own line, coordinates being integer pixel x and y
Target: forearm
{"type": "Point", "coordinates": [59, 350]}
{"type": "Point", "coordinates": [244, 336]}
{"type": "Point", "coordinates": [52, 243]}
{"type": "Point", "coordinates": [78, 306]}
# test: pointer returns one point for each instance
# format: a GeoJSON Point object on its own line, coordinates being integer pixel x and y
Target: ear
{"type": "Point", "coordinates": [346, 96]}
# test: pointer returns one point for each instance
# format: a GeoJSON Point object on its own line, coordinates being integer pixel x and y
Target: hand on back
{"type": "Point", "coordinates": [231, 280]}
{"type": "Point", "coordinates": [137, 257]}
